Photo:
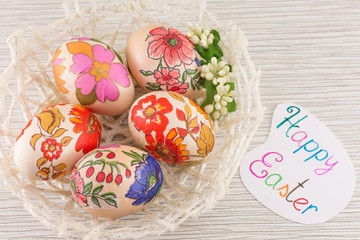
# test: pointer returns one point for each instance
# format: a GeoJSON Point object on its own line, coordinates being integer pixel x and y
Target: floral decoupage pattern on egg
{"type": "Point", "coordinates": [90, 73]}
{"type": "Point", "coordinates": [162, 58]}
{"type": "Point", "coordinates": [173, 128]}
{"type": "Point", "coordinates": [115, 181]}
{"type": "Point", "coordinates": [51, 143]}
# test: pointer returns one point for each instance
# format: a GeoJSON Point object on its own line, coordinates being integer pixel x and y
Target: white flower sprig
{"type": "Point", "coordinates": [216, 76]}
{"type": "Point", "coordinates": [217, 72]}
{"type": "Point", "coordinates": [200, 36]}
{"type": "Point", "coordinates": [223, 97]}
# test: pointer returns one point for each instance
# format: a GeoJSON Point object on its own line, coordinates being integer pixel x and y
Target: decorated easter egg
{"type": "Point", "coordinates": [173, 128]}
{"type": "Point", "coordinates": [90, 73]}
{"type": "Point", "coordinates": [115, 181]}
{"type": "Point", "coordinates": [162, 58]}
{"type": "Point", "coordinates": [54, 140]}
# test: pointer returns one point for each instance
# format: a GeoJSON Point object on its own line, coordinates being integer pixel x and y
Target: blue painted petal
{"type": "Point", "coordinates": [141, 189]}
{"type": "Point", "coordinates": [139, 201]}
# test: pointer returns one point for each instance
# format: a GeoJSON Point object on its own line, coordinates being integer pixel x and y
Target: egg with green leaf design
{"type": "Point", "coordinates": [161, 58]}
{"type": "Point", "coordinates": [116, 181]}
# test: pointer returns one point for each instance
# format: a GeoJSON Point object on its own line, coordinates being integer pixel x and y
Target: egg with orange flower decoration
{"type": "Point", "coordinates": [162, 58]}
{"type": "Point", "coordinates": [173, 128]}
{"type": "Point", "coordinates": [54, 140]}
{"type": "Point", "coordinates": [90, 73]}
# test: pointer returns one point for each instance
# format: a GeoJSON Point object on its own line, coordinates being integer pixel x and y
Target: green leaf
{"type": "Point", "coordinates": [196, 75]}
{"type": "Point", "coordinates": [183, 77]}
{"type": "Point", "coordinates": [196, 81]}
{"type": "Point", "coordinates": [203, 82]}
{"type": "Point", "coordinates": [153, 84]}
{"type": "Point", "coordinates": [201, 52]}
{"type": "Point", "coordinates": [146, 73]}
{"type": "Point", "coordinates": [159, 67]}
{"type": "Point", "coordinates": [133, 162]}
{"type": "Point", "coordinates": [232, 86]}
{"type": "Point", "coordinates": [95, 200]}
{"type": "Point", "coordinates": [190, 71]}
{"type": "Point", "coordinates": [231, 106]}
{"type": "Point", "coordinates": [213, 49]}
{"type": "Point", "coordinates": [97, 189]}
{"type": "Point", "coordinates": [87, 188]}
{"type": "Point", "coordinates": [153, 87]}
{"type": "Point", "coordinates": [111, 202]}
{"type": "Point", "coordinates": [129, 154]}
{"type": "Point", "coordinates": [142, 157]}
{"type": "Point", "coordinates": [192, 85]}
{"type": "Point", "coordinates": [108, 195]}
{"type": "Point", "coordinates": [73, 185]}
{"type": "Point", "coordinates": [210, 93]}
{"type": "Point", "coordinates": [134, 155]}
{"type": "Point", "coordinates": [86, 99]}
{"type": "Point", "coordinates": [217, 37]}
{"type": "Point", "coordinates": [208, 85]}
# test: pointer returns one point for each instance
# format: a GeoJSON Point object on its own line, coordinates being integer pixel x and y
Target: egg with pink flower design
{"type": "Point", "coordinates": [161, 58]}
{"type": "Point", "coordinates": [89, 72]}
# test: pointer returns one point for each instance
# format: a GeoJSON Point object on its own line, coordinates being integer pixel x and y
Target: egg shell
{"type": "Point", "coordinates": [54, 140]}
{"type": "Point", "coordinates": [116, 181]}
{"type": "Point", "coordinates": [173, 128]}
{"type": "Point", "coordinates": [90, 73]}
{"type": "Point", "coordinates": [162, 58]}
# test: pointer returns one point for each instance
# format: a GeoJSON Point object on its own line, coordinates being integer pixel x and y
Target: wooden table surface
{"type": "Point", "coordinates": [309, 54]}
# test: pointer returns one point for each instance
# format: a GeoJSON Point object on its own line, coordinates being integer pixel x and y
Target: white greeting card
{"type": "Point", "coordinates": [302, 172]}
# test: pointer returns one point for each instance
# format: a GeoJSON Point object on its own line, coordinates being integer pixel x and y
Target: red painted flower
{"type": "Point", "coordinates": [88, 125]}
{"type": "Point", "coordinates": [178, 87]}
{"type": "Point", "coordinates": [171, 45]}
{"type": "Point", "coordinates": [169, 149]}
{"type": "Point", "coordinates": [149, 114]}
{"type": "Point", "coordinates": [77, 188]}
{"type": "Point", "coordinates": [51, 149]}
{"type": "Point", "coordinates": [167, 76]}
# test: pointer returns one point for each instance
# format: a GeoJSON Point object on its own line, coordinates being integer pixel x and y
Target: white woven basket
{"type": "Point", "coordinates": [27, 86]}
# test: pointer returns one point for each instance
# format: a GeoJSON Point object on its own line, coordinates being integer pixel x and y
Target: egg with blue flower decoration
{"type": "Point", "coordinates": [115, 181]}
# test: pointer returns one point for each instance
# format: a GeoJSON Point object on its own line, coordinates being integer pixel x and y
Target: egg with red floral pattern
{"type": "Point", "coordinates": [115, 181]}
{"type": "Point", "coordinates": [54, 140]}
{"type": "Point", "coordinates": [89, 72]}
{"type": "Point", "coordinates": [172, 127]}
{"type": "Point", "coordinates": [162, 58]}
